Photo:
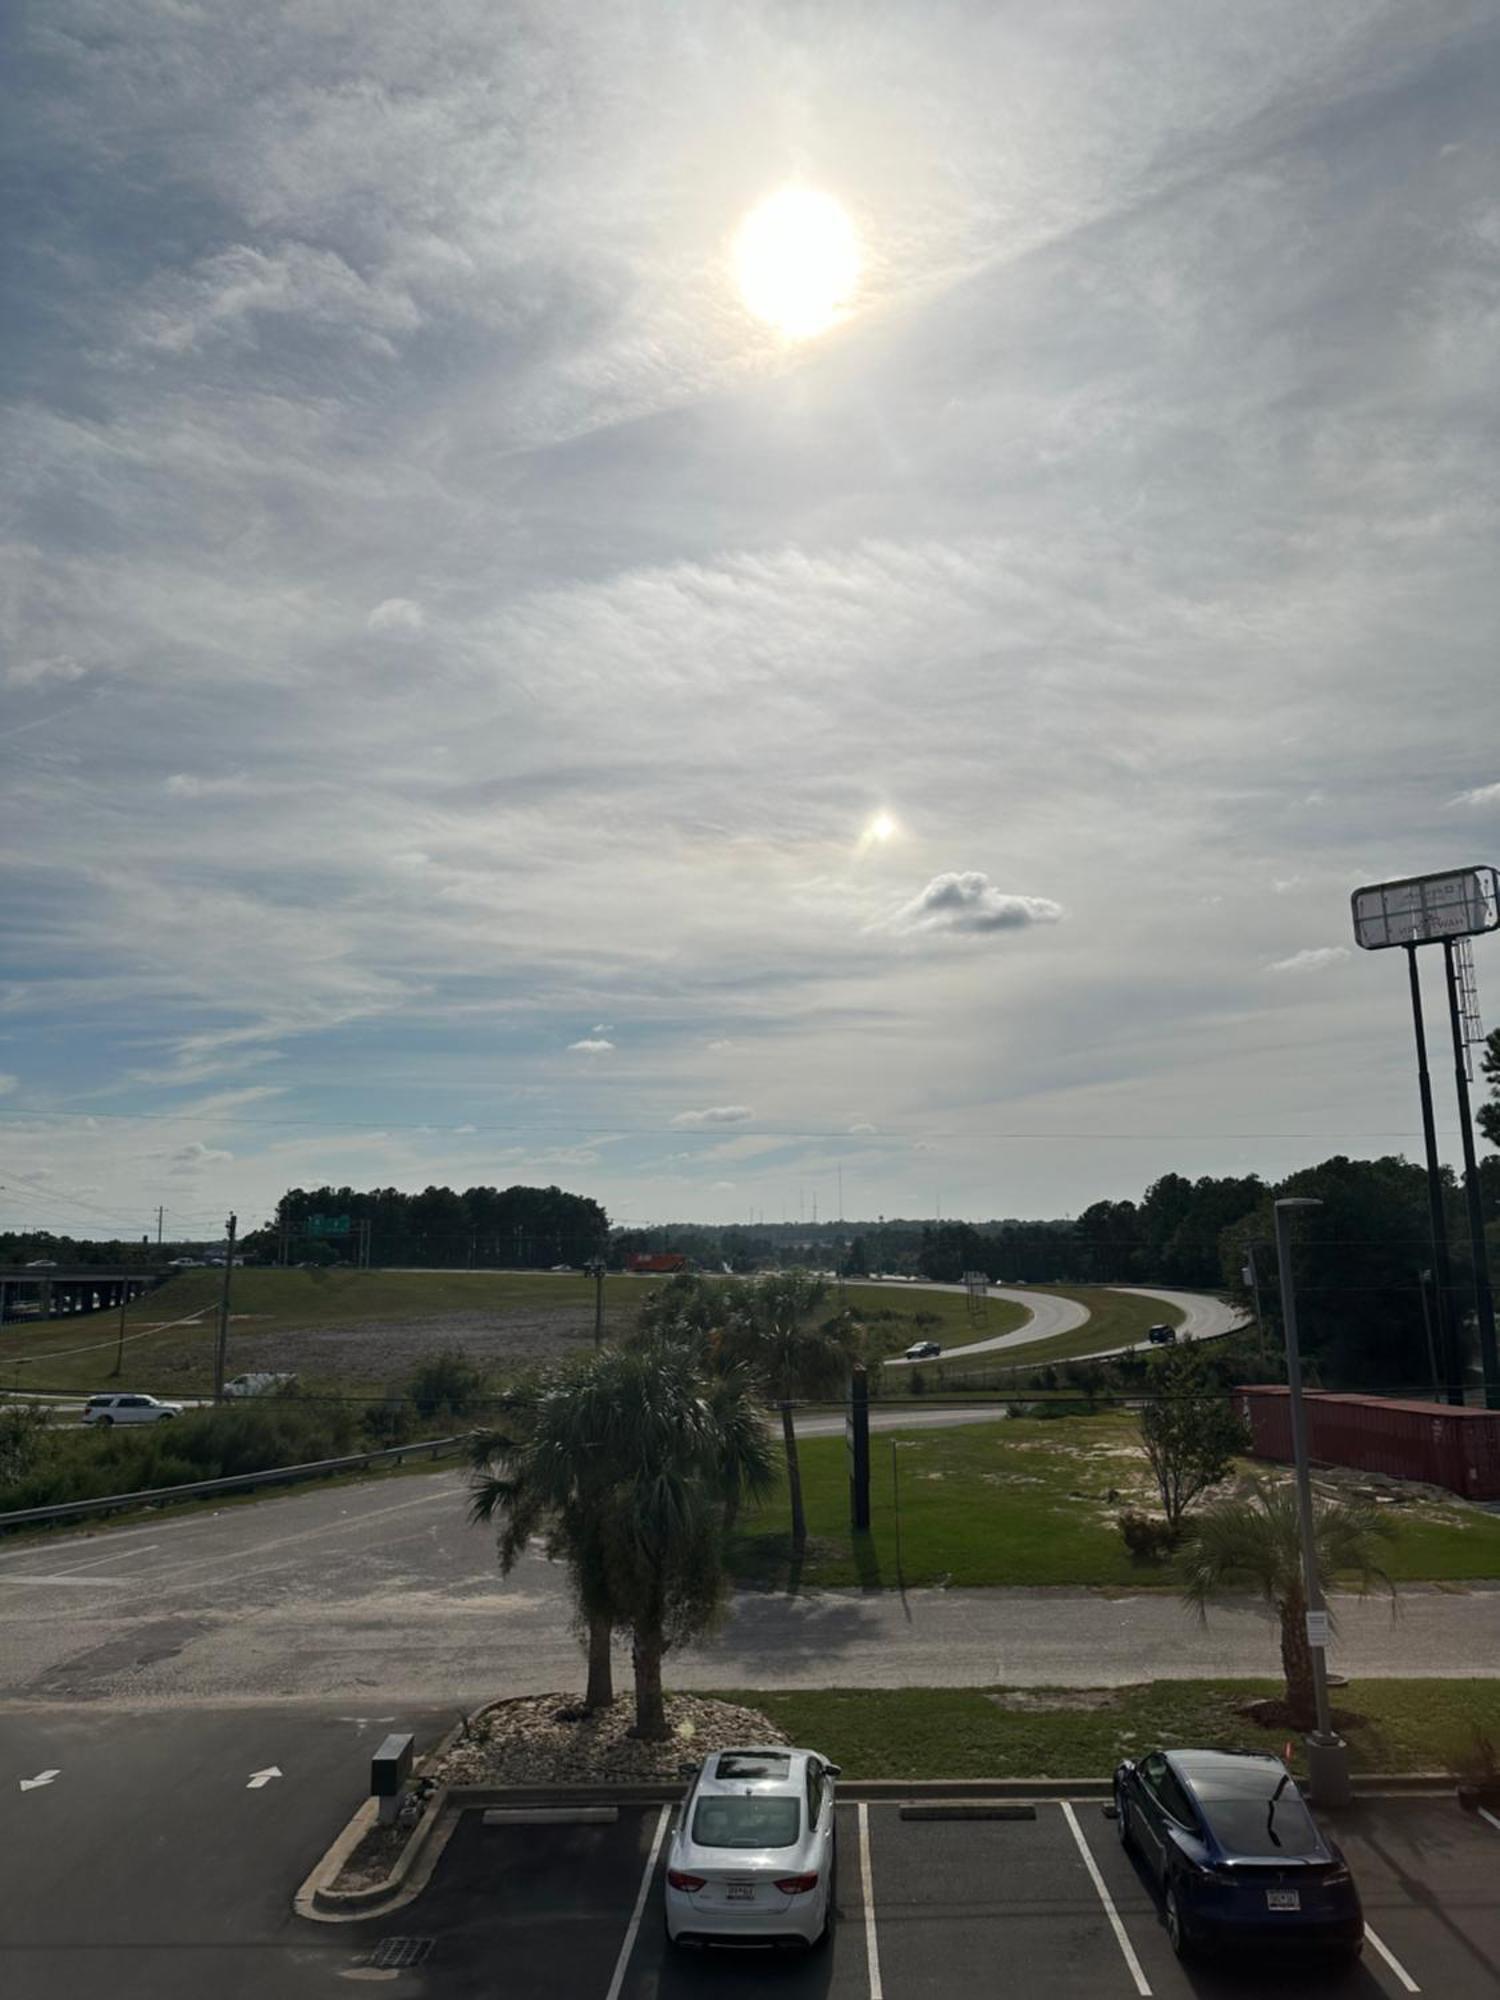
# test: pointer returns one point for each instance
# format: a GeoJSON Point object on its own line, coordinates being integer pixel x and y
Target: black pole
{"type": "Point", "coordinates": [1447, 1340]}
{"type": "Point", "coordinates": [1484, 1302]}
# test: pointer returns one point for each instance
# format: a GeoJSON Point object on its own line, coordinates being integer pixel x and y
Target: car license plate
{"type": "Point", "coordinates": [1283, 1899]}
{"type": "Point", "coordinates": [740, 1892]}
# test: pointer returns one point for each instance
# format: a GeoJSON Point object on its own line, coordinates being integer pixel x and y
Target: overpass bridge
{"type": "Point", "coordinates": [61, 1292]}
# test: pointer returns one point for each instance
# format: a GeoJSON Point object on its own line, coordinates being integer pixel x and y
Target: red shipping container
{"type": "Point", "coordinates": [1433, 1442]}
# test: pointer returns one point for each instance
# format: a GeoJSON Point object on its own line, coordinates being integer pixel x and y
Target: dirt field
{"type": "Point", "coordinates": [387, 1350]}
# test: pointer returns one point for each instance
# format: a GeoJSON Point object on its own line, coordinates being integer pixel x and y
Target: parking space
{"type": "Point", "coordinates": [1048, 1904]}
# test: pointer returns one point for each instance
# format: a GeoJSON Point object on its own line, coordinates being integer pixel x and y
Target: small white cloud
{"type": "Point", "coordinates": [720, 1047]}
{"type": "Point", "coordinates": [196, 1154]}
{"type": "Point", "coordinates": [1318, 959]}
{"type": "Point", "coordinates": [462, 1131]}
{"type": "Point", "coordinates": [721, 1187]}
{"type": "Point", "coordinates": [396, 614]}
{"type": "Point", "coordinates": [1483, 798]}
{"type": "Point", "coordinates": [187, 785]}
{"type": "Point", "coordinates": [968, 904]}
{"type": "Point", "coordinates": [862, 1129]}
{"type": "Point", "coordinates": [591, 1045]}
{"type": "Point", "coordinates": [7, 1083]}
{"type": "Point", "coordinates": [715, 1114]}
{"type": "Point", "coordinates": [602, 1028]}
{"type": "Point", "coordinates": [58, 668]}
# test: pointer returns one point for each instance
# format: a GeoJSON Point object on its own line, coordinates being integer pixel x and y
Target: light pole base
{"type": "Point", "coordinates": [1327, 1770]}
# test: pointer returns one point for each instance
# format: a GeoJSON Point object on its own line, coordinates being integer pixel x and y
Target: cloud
{"type": "Point", "coordinates": [187, 785]}
{"type": "Point", "coordinates": [861, 1130]}
{"type": "Point", "coordinates": [1480, 799]}
{"type": "Point", "coordinates": [396, 614]}
{"type": "Point", "coordinates": [1318, 959]}
{"type": "Point", "coordinates": [716, 1114]}
{"type": "Point", "coordinates": [721, 1046]}
{"type": "Point", "coordinates": [464, 1131]}
{"type": "Point", "coordinates": [194, 1155]}
{"type": "Point", "coordinates": [591, 1045]}
{"type": "Point", "coordinates": [602, 1028]}
{"type": "Point", "coordinates": [969, 905]}
{"type": "Point", "coordinates": [721, 1187]}
{"type": "Point", "coordinates": [59, 669]}
{"type": "Point", "coordinates": [7, 1083]}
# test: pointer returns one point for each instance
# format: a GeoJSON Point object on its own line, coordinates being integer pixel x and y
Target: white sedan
{"type": "Point", "coordinates": [752, 1854]}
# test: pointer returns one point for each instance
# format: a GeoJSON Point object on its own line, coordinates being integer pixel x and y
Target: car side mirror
{"type": "Point", "coordinates": [834, 1770]}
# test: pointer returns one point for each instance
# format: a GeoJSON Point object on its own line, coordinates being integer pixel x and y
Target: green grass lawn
{"type": "Point", "coordinates": [1024, 1501]}
{"type": "Point", "coordinates": [1409, 1725]}
{"type": "Point", "coordinates": [1116, 1319]}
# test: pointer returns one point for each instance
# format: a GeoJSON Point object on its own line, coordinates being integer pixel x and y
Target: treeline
{"type": "Point", "coordinates": [482, 1228]}
{"type": "Point", "coordinates": [135, 1253]}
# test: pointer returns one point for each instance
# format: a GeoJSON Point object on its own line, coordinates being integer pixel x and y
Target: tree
{"type": "Point", "coordinates": [1489, 1111]}
{"type": "Point", "coordinates": [1189, 1431]}
{"type": "Point", "coordinates": [627, 1462]}
{"type": "Point", "coordinates": [1253, 1544]}
{"type": "Point", "coordinates": [773, 1335]}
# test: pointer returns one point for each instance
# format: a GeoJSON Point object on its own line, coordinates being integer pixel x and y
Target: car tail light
{"type": "Point", "coordinates": [1336, 1877]}
{"type": "Point", "coordinates": [679, 1880]}
{"type": "Point", "coordinates": [796, 1885]}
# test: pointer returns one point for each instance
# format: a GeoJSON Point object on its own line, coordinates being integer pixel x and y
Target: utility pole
{"type": "Point", "coordinates": [1448, 1344]}
{"type": "Point", "coordinates": [120, 1343]}
{"type": "Point", "coordinates": [1252, 1279]}
{"type": "Point", "coordinates": [158, 1224]}
{"type": "Point", "coordinates": [221, 1345]}
{"type": "Point", "coordinates": [1327, 1753]}
{"type": "Point", "coordinates": [596, 1269]}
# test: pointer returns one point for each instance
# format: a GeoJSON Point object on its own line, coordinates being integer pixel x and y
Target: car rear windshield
{"type": "Point", "coordinates": [751, 1822]}
{"type": "Point", "coordinates": [746, 1764]}
{"type": "Point", "coordinates": [1250, 1827]}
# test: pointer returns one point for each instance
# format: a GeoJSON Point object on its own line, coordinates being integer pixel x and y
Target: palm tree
{"type": "Point", "coordinates": [536, 1490]}
{"type": "Point", "coordinates": [772, 1334]}
{"type": "Point", "coordinates": [630, 1458]}
{"type": "Point", "coordinates": [1252, 1543]}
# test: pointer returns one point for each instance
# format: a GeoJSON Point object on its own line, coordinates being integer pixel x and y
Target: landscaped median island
{"type": "Point", "coordinates": [1034, 1501]}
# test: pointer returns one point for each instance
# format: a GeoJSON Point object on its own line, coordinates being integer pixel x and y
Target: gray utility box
{"type": "Point", "coordinates": [390, 1768]}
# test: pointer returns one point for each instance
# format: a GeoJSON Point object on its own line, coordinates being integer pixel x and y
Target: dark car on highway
{"type": "Point", "coordinates": [1162, 1335]}
{"type": "Point", "coordinates": [1238, 1857]}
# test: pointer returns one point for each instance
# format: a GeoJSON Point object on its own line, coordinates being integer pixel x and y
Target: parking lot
{"type": "Point", "coordinates": [1045, 1903]}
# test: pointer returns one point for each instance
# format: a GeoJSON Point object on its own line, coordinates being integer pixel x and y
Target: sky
{"type": "Point", "coordinates": [482, 703]}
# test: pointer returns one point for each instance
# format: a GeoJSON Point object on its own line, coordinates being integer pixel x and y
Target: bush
{"type": "Point", "coordinates": [448, 1384]}
{"type": "Point", "coordinates": [1149, 1538]}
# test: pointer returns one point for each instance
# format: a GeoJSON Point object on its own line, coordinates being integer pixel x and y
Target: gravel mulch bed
{"type": "Point", "coordinates": [546, 1738]}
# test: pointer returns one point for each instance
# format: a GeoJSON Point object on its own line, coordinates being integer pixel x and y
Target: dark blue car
{"type": "Point", "coordinates": [1238, 1856]}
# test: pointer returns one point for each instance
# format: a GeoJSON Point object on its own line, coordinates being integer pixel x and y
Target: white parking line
{"type": "Point", "coordinates": [640, 1903]}
{"type": "Point", "coordinates": [1107, 1900]}
{"type": "Point", "coordinates": [1392, 1961]}
{"type": "Point", "coordinates": [1495, 1823]}
{"type": "Point", "coordinates": [867, 1896]}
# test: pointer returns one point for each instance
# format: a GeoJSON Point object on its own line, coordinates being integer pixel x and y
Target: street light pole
{"type": "Point", "coordinates": [1327, 1754]}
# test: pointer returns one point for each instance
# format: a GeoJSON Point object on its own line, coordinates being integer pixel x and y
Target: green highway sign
{"type": "Point", "coordinates": [327, 1225]}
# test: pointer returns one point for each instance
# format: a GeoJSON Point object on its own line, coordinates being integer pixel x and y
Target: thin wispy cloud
{"type": "Point", "coordinates": [715, 1114]}
{"type": "Point", "coordinates": [1317, 958]}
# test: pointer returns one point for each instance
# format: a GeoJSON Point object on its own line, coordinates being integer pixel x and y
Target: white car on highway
{"type": "Point", "coordinates": [108, 1410]}
{"type": "Point", "coordinates": [752, 1854]}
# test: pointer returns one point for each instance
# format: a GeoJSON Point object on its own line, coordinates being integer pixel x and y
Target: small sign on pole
{"type": "Point", "coordinates": [1317, 1628]}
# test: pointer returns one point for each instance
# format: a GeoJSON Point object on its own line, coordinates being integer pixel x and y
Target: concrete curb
{"type": "Point", "coordinates": [322, 1903]}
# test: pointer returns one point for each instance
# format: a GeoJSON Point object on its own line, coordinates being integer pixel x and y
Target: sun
{"type": "Point", "coordinates": [877, 832]}
{"type": "Point", "coordinates": [797, 261]}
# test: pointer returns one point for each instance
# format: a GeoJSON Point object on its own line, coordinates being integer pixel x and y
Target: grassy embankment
{"type": "Point", "coordinates": [1024, 1502]}
{"type": "Point", "coordinates": [1408, 1725]}
{"type": "Point", "coordinates": [169, 1334]}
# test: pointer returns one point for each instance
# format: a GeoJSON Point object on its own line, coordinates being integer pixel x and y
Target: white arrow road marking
{"type": "Point", "coordinates": [259, 1778]}
{"type": "Point", "coordinates": [41, 1778]}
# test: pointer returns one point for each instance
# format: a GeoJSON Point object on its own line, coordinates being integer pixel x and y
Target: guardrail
{"type": "Point", "coordinates": [243, 1482]}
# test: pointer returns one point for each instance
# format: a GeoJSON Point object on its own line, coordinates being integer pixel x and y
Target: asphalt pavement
{"type": "Point", "coordinates": [384, 1592]}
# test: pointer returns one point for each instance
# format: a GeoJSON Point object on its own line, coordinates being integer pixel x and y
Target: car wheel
{"type": "Point", "coordinates": [103, 1423]}
{"type": "Point", "coordinates": [1177, 1931]}
{"type": "Point", "coordinates": [1123, 1828]}
{"type": "Point", "coordinates": [166, 1416]}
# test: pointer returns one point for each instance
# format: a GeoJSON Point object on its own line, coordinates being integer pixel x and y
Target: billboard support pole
{"type": "Point", "coordinates": [1448, 1345]}
{"type": "Point", "coordinates": [1484, 1303]}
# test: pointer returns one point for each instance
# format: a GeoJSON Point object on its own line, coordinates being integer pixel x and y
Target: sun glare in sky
{"type": "Point", "coordinates": [877, 832]}
{"type": "Point", "coordinates": [797, 261]}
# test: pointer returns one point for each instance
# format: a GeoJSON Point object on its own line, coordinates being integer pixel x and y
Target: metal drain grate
{"type": "Point", "coordinates": [397, 1953]}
